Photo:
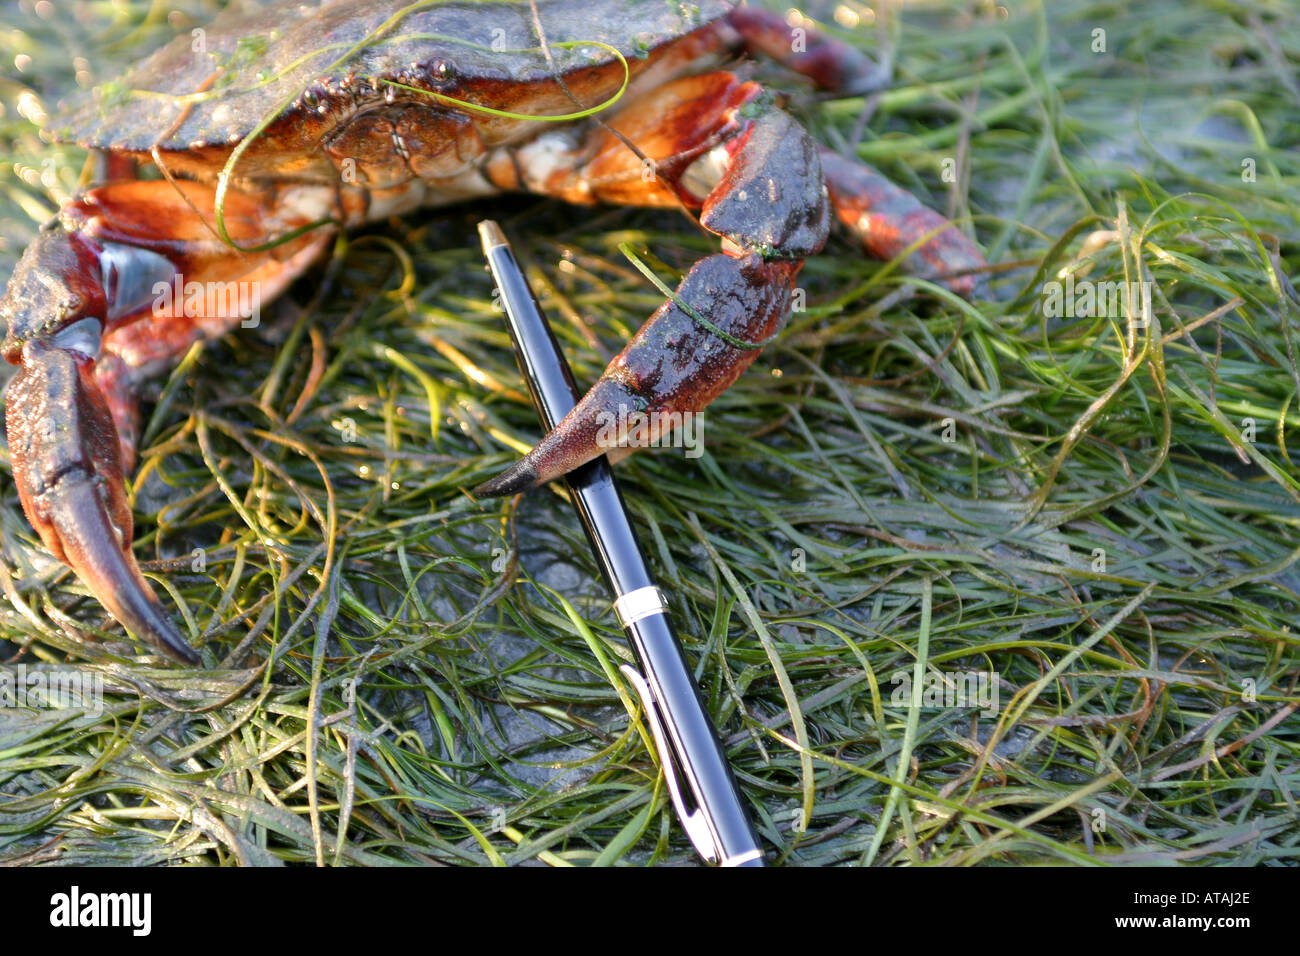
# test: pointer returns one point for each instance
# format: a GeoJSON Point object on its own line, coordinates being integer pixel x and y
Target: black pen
{"type": "Point", "coordinates": [684, 736]}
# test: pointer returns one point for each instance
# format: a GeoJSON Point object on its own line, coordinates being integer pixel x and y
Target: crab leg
{"type": "Point", "coordinates": [887, 220]}
{"type": "Point", "coordinates": [88, 309]}
{"type": "Point", "coordinates": [883, 217]}
{"type": "Point", "coordinates": [828, 62]}
{"type": "Point", "coordinates": [715, 142]}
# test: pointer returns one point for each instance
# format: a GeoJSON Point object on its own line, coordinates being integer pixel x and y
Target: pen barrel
{"type": "Point", "coordinates": [696, 750]}
{"type": "Point", "coordinates": [551, 383]}
{"type": "Point", "coordinates": [703, 766]}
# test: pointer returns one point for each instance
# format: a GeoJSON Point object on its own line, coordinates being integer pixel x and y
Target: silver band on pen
{"type": "Point", "coordinates": [638, 604]}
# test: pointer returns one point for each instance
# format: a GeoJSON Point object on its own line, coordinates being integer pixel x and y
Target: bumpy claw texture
{"type": "Point", "coordinates": [770, 199]}
{"type": "Point", "coordinates": [55, 282]}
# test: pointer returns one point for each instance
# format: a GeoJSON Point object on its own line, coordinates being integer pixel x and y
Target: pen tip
{"type": "Point", "coordinates": [518, 477]}
{"type": "Point", "coordinates": [491, 235]}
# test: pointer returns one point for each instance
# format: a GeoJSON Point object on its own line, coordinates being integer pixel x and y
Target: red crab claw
{"type": "Point", "coordinates": [63, 444]}
{"type": "Point", "coordinates": [717, 143]}
{"type": "Point", "coordinates": [673, 366]}
{"type": "Point", "coordinates": [768, 202]}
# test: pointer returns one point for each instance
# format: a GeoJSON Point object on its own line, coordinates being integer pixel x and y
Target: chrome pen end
{"type": "Point", "coordinates": [491, 236]}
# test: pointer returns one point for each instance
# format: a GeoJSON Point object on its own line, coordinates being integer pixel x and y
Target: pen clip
{"type": "Point", "coordinates": [693, 822]}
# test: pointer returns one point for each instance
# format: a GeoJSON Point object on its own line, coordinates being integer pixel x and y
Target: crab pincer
{"type": "Point", "coordinates": [762, 193]}
{"type": "Point", "coordinates": [85, 322]}
{"type": "Point", "coordinates": [67, 460]}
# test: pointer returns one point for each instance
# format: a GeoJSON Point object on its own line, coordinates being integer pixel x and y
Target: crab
{"type": "Point", "coordinates": [282, 124]}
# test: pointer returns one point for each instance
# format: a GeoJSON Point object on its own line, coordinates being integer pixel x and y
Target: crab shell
{"type": "Point", "coordinates": [310, 70]}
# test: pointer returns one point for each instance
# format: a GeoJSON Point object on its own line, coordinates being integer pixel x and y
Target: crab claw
{"type": "Point", "coordinates": [673, 367]}
{"type": "Point", "coordinates": [762, 191]}
{"type": "Point", "coordinates": [67, 465]}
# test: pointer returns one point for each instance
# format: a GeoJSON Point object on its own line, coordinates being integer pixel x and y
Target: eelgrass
{"type": "Point", "coordinates": [1100, 513]}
